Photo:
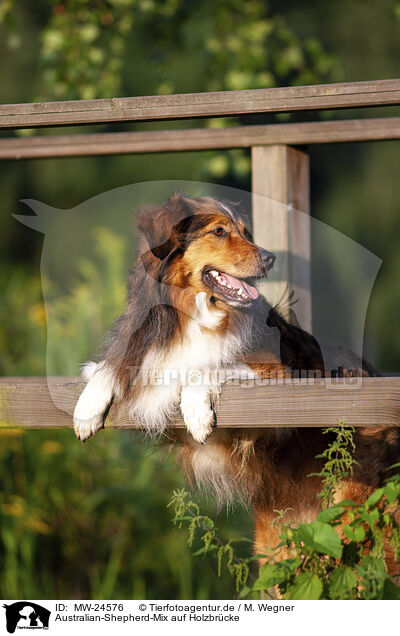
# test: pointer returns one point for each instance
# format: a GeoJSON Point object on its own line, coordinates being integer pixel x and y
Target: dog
{"type": "Point", "coordinates": [194, 313]}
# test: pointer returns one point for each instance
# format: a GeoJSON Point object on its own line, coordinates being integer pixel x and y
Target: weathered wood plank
{"type": "Point", "coordinates": [369, 402]}
{"type": "Point", "coordinates": [217, 104]}
{"type": "Point", "coordinates": [199, 139]}
{"type": "Point", "coordinates": [281, 223]}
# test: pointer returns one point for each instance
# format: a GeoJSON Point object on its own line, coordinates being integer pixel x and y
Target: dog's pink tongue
{"type": "Point", "coordinates": [252, 292]}
{"type": "Point", "coordinates": [240, 284]}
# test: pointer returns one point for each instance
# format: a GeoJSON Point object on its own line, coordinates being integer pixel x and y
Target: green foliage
{"type": "Point", "coordinates": [77, 321]}
{"type": "Point", "coordinates": [326, 558]}
{"type": "Point", "coordinates": [86, 52]}
{"type": "Point", "coordinates": [80, 316]}
{"type": "Point", "coordinates": [85, 521]}
{"type": "Point", "coordinates": [203, 526]}
{"type": "Point", "coordinates": [306, 586]}
{"type": "Point", "coordinates": [342, 580]}
{"type": "Point", "coordinates": [22, 323]}
{"type": "Point", "coordinates": [320, 537]}
{"type": "Point", "coordinates": [338, 463]}
{"type": "Point", "coordinates": [84, 45]}
{"type": "Point", "coordinates": [67, 515]}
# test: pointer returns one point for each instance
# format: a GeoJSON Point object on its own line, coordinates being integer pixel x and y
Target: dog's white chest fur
{"type": "Point", "coordinates": [183, 375]}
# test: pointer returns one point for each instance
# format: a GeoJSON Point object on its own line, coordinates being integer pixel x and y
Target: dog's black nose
{"type": "Point", "coordinates": [268, 258]}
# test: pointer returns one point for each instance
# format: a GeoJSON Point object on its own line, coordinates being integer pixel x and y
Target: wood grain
{"type": "Point", "coordinates": [199, 139]}
{"type": "Point", "coordinates": [188, 105]}
{"type": "Point", "coordinates": [281, 224]}
{"type": "Point", "coordinates": [373, 402]}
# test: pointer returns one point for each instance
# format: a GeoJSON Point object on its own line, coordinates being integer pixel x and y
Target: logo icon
{"type": "Point", "coordinates": [26, 615]}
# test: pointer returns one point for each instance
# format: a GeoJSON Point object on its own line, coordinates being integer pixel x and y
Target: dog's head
{"type": "Point", "coordinates": [203, 244]}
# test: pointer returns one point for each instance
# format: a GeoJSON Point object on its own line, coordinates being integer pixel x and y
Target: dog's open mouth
{"type": "Point", "coordinates": [232, 289]}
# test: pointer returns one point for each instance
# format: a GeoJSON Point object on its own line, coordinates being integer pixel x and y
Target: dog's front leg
{"type": "Point", "coordinates": [95, 400]}
{"type": "Point", "coordinates": [196, 407]}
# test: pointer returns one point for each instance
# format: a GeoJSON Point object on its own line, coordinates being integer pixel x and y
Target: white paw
{"type": "Point", "coordinates": [89, 413]}
{"type": "Point", "coordinates": [85, 428]}
{"type": "Point", "coordinates": [199, 420]}
{"type": "Point", "coordinates": [93, 403]}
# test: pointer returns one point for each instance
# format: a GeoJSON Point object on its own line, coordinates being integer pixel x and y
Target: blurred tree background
{"type": "Point", "coordinates": [91, 521]}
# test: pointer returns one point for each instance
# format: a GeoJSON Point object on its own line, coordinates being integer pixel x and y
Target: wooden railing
{"type": "Point", "coordinates": [189, 105]}
{"type": "Point", "coordinates": [321, 132]}
{"type": "Point", "coordinates": [41, 403]}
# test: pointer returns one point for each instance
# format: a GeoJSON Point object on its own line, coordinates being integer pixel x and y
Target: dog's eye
{"type": "Point", "coordinates": [219, 231]}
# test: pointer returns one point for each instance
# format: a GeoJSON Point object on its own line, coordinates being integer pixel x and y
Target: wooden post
{"type": "Point", "coordinates": [281, 223]}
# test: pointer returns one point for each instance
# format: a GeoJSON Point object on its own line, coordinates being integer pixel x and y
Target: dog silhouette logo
{"type": "Point", "coordinates": [26, 615]}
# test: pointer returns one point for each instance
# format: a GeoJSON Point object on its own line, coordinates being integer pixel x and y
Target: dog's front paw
{"type": "Point", "coordinates": [87, 421]}
{"type": "Point", "coordinates": [199, 422]}
{"type": "Point", "coordinates": [197, 413]}
{"type": "Point", "coordinates": [94, 402]}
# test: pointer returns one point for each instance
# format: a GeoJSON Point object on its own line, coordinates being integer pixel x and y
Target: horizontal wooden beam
{"type": "Point", "coordinates": [188, 105]}
{"type": "Point", "coordinates": [31, 403]}
{"type": "Point", "coordinates": [322, 132]}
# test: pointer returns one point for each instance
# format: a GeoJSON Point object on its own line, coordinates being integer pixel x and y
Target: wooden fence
{"type": "Point", "coordinates": [31, 403]}
{"type": "Point", "coordinates": [280, 173]}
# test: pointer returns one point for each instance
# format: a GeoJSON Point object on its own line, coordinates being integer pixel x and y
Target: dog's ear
{"type": "Point", "coordinates": [162, 226]}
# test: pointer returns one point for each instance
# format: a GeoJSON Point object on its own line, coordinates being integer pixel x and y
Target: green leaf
{"type": "Point", "coordinates": [341, 581]}
{"type": "Point", "coordinates": [391, 592]}
{"type": "Point", "coordinates": [392, 491]}
{"type": "Point", "coordinates": [205, 550]}
{"type": "Point", "coordinates": [370, 516]}
{"type": "Point", "coordinates": [374, 574]}
{"type": "Point", "coordinates": [291, 564]}
{"type": "Point", "coordinates": [330, 514]}
{"type": "Point", "coordinates": [348, 502]}
{"type": "Point", "coordinates": [320, 537]}
{"type": "Point", "coordinates": [374, 567]}
{"type": "Point", "coordinates": [374, 498]}
{"type": "Point", "coordinates": [270, 574]}
{"type": "Point", "coordinates": [354, 533]}
{"type": "Point", "coordinates": [307, 587]}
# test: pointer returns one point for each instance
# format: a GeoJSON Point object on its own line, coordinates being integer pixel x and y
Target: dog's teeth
{"type": "Point", "coordinates": [214, 273]}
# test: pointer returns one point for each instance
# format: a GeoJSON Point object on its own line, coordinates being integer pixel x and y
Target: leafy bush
{"type": "Point", "coordinates": [339, 555]}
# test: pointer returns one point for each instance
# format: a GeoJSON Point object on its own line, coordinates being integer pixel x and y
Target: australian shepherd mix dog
{"type": "Point", "coordinates": [194, 313]}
